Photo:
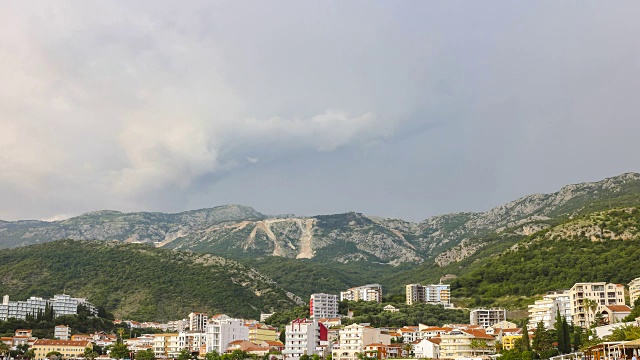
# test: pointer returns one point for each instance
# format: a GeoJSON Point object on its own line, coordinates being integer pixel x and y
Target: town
{"type": "Point", "coordinates": [597, 312]}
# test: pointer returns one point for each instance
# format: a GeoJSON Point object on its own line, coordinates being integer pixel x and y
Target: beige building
{"type": "Point", "coordinates": [431, 294]}
{"type": "Point", "coordinates": [166, 345]}
{"type": "Point", "coordinates": [354, 338]}
{"type": "Point", "coordinates": [371, 292]}
{"type": "Point", "coordinates": [261, 332]}
{"type": "Point", "coordinates": [457, 344]}
{"type": "Point", "coordinates": [600, 293]}
{"type": "Point", "coordinates": [634, 291]}
{"type": "Point", "coordinates": [547, 309]}
{"type": "Point", "coordinates": [69, 349]}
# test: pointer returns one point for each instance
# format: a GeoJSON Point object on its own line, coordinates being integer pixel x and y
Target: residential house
{"type": "Point", "coordinates": [303, 337]}
{"type": "Point", "coordinates": [597, 293]}
{"type": "Point", "coordinates": [353, 339]}
{"type": "Point", "coordinates": [459, 343]}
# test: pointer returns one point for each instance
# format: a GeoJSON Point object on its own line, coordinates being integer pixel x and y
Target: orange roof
{"type": "Point", "coordinates": [480, 334]}
{"type": "Point", "coordinates": [435, 340]}
{"type": "Point", "coordinates": [435, 328]}
{"type": "Point", "coordinates": [618, 308]}
{"type": "Point", "coordinates": [62, 343]}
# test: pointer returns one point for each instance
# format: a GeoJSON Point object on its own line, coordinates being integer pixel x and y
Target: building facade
{"type": "Point", "coordinates": [197, 322]}
{"type": "Point", "coordinates": [354, 338]}
{"type": "Point", "coordinates": [487, 317]}
{"type": "Point", "coordinates": [68, 349]}
{"type": "Point", "coordinates": [587, 299]}
{"type": "Point", "coordinates": [221, 330]}
{"type": "Point", "coordinates": [371, 292]}
{"type": "Point", "coordinates": [459, 343]}
{"type": "Point", "coordinates": [431, 294]}
{"type": "Point", "coordinates": [303, 337]}
{"type": "Point", "coordinates": [634, 291]}
{"type": "Point", "coordinates": [62, 332]}
{"type": "Point", "coordinates": [323, 306]}
{"type": "Point", "coordinates": [61, 305]}
{"type": "Point", "coordinates": [547, 309]}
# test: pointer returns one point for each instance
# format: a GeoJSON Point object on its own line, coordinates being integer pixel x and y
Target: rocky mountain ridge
{"type": "Point", "coordinates": [241, 231]}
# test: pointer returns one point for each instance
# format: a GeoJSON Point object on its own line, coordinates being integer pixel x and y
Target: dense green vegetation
{"type": "Point", "coordinates": [373, 313]}
{"type": "Point", "coordinates": [540, 264]}
{"type": "Point", "coordinates": [138, 281]}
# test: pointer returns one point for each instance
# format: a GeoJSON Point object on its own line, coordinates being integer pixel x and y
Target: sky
{"type": "Point", "coordinates": [403, 109]}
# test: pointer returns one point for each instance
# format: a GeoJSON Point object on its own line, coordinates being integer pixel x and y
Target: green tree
{"type": "Point", "coordinates": [184, 355]}
{"type": "Point", "coordinates": [566, 331]}
{"type": "Point", "coordinates": [212, 355]}
{"type": "Point", "coordinates": [54, 355]}
{"type": "Point", "coordinates": [560, 332]}
{"type": "Point", "coordinates": [119, 351]}
{"type": "Point", "coordinates": [240, 355]}
{"type": "Point", "coordinates": [526, 344]}
{"type": "Point", "coordinates": [475, 344]}
{"type": "Point", "coordinates": [4, 349]}
{"type": "Point", "coordinates": [89, 354]}
{"type": "Point", "coordinates": [146, 355]}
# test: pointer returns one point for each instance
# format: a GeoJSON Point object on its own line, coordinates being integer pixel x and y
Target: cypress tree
{"type": "Point", "coordinates": [567, 335]}
{"type": "Point", "coordinates": [560, 333]}
{"type": "Point", "coordinates": [525, 337]}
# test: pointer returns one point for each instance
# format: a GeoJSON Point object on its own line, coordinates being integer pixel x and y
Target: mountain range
{"type": "Point", "coordinates": [332, 252]}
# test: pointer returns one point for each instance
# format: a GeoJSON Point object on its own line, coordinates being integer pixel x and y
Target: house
{"type": "Point", "coordinates": [391, 308]}
{"type": "Point", "coordinates": [427, 348]}
{"type": "Point", "coordinates": [384, 351]}
{"type": "Point", "coordinates": [614, 313]}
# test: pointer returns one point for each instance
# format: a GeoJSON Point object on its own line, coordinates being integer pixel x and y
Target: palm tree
{"type": "Point", "coordinates": [592, 306]}
{"type": "Point", "coordinates": [474, 345]}
{"type": "Point", "coordinates": [407, 347]}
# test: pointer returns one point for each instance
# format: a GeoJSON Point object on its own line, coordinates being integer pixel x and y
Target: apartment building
{"type": "Point", "coordinates": [166, 345]}
{"type": "Point", "coordinates": [354, 338]}
{"type": "Point", "coordinates": [598, 293]}
{"type": "Point", "coordinates": [68, 349]}
{"type": "Point", "coordinates": [487, 317]}
{"type": "Point", "coordinates": [197, 322]}
{"type": "Point", "coordinates": [371, 292]}
{"type": "Point", "coordinates": [546, 310]}
{"type": "Point", "coordinates": [457, 343]}
{"type": "Point", "coordinates": [61, 305]}
{"type": "Point", "coordinates": [221, 330]}
{"type": "Point", "coordinates": [62, 332]}
{"type": "Point", "coordinates": [304, 337]}
{"type": "Point", "coordinates": [634, 291]}
{"type": "Point", "coordinates": [431, 294]}
{"type": "Point", "coordinates": [261, 332]}
{"type": "Point", "coordinates": [323, 306]}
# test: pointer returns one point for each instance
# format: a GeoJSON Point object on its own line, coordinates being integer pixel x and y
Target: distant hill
{"type": "Point", "coordinates": [138, 281]}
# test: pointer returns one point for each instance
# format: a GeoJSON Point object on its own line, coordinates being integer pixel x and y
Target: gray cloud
{"type": "Point", "coordinates": [397, 109]}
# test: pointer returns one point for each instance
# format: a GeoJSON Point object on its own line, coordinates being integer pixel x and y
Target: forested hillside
{"type": "Point", "coordinates": [138, 281]}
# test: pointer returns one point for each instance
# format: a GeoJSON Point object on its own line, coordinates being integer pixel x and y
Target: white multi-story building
{"type": "Point", "coordinates": [487, 317]}
{"type": "Point", "coordinates": [221, 330]}
{"type": "Point", "coordinates": [303, 337]}
{"type": "Point", "coordinates": [634, 291]}
{"type": "Point", "coordinates": [433, 294]}
{"type": "Point", "coordinates": [197, 322]}
{"type": "Point", "coordinates": [354, 338]}
{"type": "Point", "coordinates": [62, 332]}
{"type": "Point", "coordinates": [546, 310]}
{"type": "Point", "coordinates": [598, 293]}
{"type": "Point", "coordinates": [61, 305]}
{"type": "Point", "coordinates": [322, 306]}
{"type": "Point", "coordinates": [371, 292]}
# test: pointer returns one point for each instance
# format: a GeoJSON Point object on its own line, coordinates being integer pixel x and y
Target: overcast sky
{"type": "Point", "coordinates": [394, 108]}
